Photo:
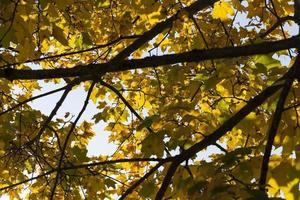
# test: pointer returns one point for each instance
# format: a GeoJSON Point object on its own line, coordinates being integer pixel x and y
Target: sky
{"type": "Point", "coordinates": [99, 144]}
{"type": "Point", "coordinates": [73, 104]}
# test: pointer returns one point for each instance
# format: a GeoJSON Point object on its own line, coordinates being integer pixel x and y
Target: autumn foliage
{"type": "Point", "coordinates": [171, 79]}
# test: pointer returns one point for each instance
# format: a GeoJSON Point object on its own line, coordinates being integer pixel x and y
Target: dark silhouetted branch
{"type": "Point", "coordinates": [141, 180]}
{"type": "Point", "coordinates": [226, 126]}
{"type": "Point", "coordinates": [68, 137]}
{"type": "Point", "coordinates": [275, 124]}
{"type": "Point", "coordinates": [279, 22]}
{"type": "Point", "coordinates": [68, 88]}
{"type": "Point", "coordinates": [160, 27]}
{"type": "Point", "coordinates": [74, 52]}
{"type": "Point", "coordinates": [166, 182]}
{"type": "Point", "coordinates": [152, 61]}
{"type": "Point", "coordinates": [33, 98]}
{"type": "Point", "coordinates": [108, 162]}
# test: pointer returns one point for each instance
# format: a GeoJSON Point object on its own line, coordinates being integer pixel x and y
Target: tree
{"type": "Point", "coordinates": [170, 78]}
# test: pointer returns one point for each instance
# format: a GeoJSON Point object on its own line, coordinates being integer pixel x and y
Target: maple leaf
{"type": "Point", "coordinates": [199, 99]}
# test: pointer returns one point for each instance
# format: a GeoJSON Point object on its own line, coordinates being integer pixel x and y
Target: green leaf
{"type": "Point", "coordinates": [110, 183]}
{"type": "Point", "coordinates": [257, 194]}
{"type": "Point", "coordinates": [198, 187]}
{"type": "Point", "coordinates": [153, 144]}
{"type": "Point", "coordinates": [147, 189]}
{"type": "Point", "coordinates": [43, 3]}
{"type": "Point", "coordinates": [267, 61]}
{"type": "Point", "coordinates": [59, 35]}
{"type": "Point", "coordinates": [86, 39]}
{"type": "Point", "coordinates": [233, 157]}
{"type": "Point", "coordinates": [260, 68]}
{"type": "Point", "coordinates": [211, 82]}
{"type": "Point", "coordinates": [4, 2]}
{"type": "Point", "coordinates": [219, 189]}
{"type": "Point", "coordinates": [80, 153]}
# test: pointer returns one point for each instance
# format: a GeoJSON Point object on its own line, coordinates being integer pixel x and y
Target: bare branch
{"type": "Point", "coordinates": [33, 98]}
{"type": "Point", "coordinates": [68, 88]}
{"type": "Point", "coordinates": [274, 126]}
{"type": "Point", "coordinates": [68, 137]}
{"type": "Point", "coordinates": [108, 162]}
{"type": "Point", "coordinates": [160, 27]}
{"type": "Point", "coordinates": [140, 181]}
{"type": "Point", "coordinates": [152, 61]}
{"type": "Point", "coordinates": [74, 52]}
{"type": "Point", "coordinates": [225, 127]}
{"type": "Point", "coordinates": [279, 22]}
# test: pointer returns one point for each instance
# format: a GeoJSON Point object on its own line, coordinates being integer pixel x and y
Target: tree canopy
{"type": "Point", "coordinates": [169, 78]}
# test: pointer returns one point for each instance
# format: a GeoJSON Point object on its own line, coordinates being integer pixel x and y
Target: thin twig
{"type": "Point", "coordinates": [53, 112]}
{"type": "Point", "coordinates": [108, 162]}
{"type": "Point", "coordinates": [129, 107]}
{"type": "Point", "coordinates": [278, 23]}
{"type": "Point", "coordinates": [11, 22]}
{"type": "Point", "coordinates": [74, 52]}
{"type": "Point", "coordinates": [32, 98]}
{"type": "Point", "coordinates": [68, 137]}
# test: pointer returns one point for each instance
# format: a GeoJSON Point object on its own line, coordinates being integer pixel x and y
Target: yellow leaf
{"type": "Point", "coordinates": [222, 10]}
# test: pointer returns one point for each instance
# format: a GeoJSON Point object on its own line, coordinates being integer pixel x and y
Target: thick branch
{"type": "Point", "coordinates": [160, 27]}
{"type": "Point", "coordinates": [225, 127]}
{"type": "Point", "coordinates": [153, 61]}
{"type": "Point", "coordinates": [166, 182]}
{"type": "Point", "coordinates": [297, 11]}
{"type": "Point", "coordinates": [140, 181]}
{"type": "Point", "coordinates": [234, 120]}
{"type": "Point", "coordinates": [274, 127]}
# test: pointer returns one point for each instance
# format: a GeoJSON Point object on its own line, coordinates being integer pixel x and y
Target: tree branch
{"type": "Point", "coordinates": [140, 181]}
{"type": "Point", "coordinates": [108, 162]}
{"type": "Point", "coordinates": [68, 137]}
{"type": "Point", "coordinates": [74, 52]}
{"type": "Point", "coordinates": [68, 88]}
{"type": "Point", "coordinates": [166, 182]}
{"type": "Point", "coordinates": [32, 98]}
{"type": "Point", "coordinates": [279, 22]}
{"type": "Point", "coordinates": [160, 27]}
{"type": "Point", "coordinates": [127, 104]}
{"type": "Point", "coordinates": [11, 22]}
{"type": "Point", "coordinates": [234, 120]}
{"type": "Point", "coordinates": [297, 11]}
{"type": "Point", "coordinates": [274, 126]}
{"type": "Point", "coordinates": [152, 61]}
{"type": "Point", "coordinates": [225, 127]}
